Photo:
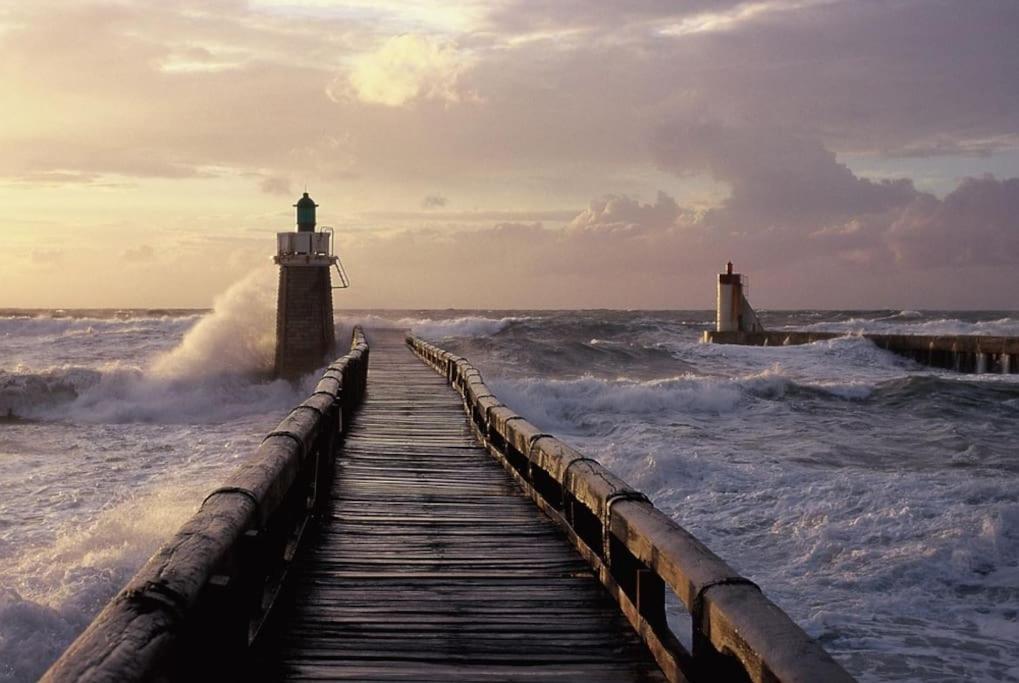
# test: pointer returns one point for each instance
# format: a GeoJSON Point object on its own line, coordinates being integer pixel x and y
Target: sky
{"type": "Point", "coordinates": [514, 153]}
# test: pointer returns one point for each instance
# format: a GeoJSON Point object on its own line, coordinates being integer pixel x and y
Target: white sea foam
{"type": "Point", "coordinates": [48, 594]}
{"type": "Point", "coordinates": [370, 321]}
{"type": "Point", "coordinates": [435, 328]}
{"type": "Point", "coordinates": [874, 561]}
{"type": "Point", "coordinates": [130, 396]}
{"type": "Point", "coordinates": [910, 322]}
{"type": "Point", "coordinates": [467, 326]}
{"type": "Point", "coordinates": [567, 404]}
{"type": "Point", "coordinates": [237, 338]}
{"type": "Point", "coordinates": [43, 327]}
{"type": "Point", "coordinates": [564, 403]}
{"type": "Point", "coordinates": [218, 371]}
{"type": "Point", "coordinates": [849, 360]}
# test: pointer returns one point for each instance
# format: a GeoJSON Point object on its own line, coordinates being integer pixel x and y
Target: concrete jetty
{"type": "Point", "coordinates": [961, 353]}
{"type": "Point", "coordinates": [736, 322]}
{"type": "Point", "coordinates": [403, 524]}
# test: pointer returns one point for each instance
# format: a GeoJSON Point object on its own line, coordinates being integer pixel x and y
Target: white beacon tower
{"type": "Point", "coordinates": [733, 312]}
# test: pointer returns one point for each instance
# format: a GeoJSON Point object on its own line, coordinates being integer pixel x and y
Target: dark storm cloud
{"type": "Point", "coordinates": [776, 176]}
{"type": "Point", "coordinates": [977, 224]}
{"type": "Point", "coordinates": [791, 198]}
{"type": "Point", "coordinates": [277, 185]}
{"type": "Point", "coordinates": [434, 201]}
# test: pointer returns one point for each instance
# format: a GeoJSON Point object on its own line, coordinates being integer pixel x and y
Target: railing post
{"type": "Point", "coordinates": [708, 662]}
{"type": "Point", "coordinates": [325, 454]}
{"type": "Point", "coordinates": [221, 632]}
{"type": "Point", "coordinates": [252, 565]}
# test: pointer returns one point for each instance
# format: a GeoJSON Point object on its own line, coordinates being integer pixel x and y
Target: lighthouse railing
{"type": "Point", "coordinates": [197, 604]}
{"type": "Point", "coordinates": [303, 243]}
{"type": "Point", "coordinates": [341, 272]}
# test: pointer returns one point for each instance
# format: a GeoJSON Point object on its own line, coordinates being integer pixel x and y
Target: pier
{"type": "Point", "coordinates": [403, 524]}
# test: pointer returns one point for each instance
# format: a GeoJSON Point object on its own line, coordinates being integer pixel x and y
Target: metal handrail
{"type": "Point", "coordinates": [341, 272]}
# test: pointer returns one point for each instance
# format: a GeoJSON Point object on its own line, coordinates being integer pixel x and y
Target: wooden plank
{"type": "Point", "coordinates": [430, 564]}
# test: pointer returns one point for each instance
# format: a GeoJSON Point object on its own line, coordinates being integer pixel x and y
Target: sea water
{"type": "Point", "coordinates": [875, 500]}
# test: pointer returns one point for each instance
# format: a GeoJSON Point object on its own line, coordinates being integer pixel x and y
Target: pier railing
{"type": "Point", "coordinates": [636, 551]}
{"type": "Point", "coordinates": [201, 599]}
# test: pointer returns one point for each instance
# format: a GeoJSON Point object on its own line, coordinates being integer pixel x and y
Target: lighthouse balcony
{"type": "Point", "coordinates": [304, 248]}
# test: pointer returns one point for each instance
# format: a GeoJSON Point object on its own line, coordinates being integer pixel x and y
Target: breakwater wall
{"type": "Point", "coordinates": [191, 611]}
{"type": "Point", "coordinates": [638, 552]}
{"type": "Point", "coordinates": [961, 353]}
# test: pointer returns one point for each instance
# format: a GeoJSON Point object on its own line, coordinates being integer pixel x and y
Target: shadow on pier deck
{"type": "Point", "coordinates": [433, 535]}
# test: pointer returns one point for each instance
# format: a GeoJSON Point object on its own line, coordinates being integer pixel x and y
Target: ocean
{"type": "Point", "coordinates": [873, 499]}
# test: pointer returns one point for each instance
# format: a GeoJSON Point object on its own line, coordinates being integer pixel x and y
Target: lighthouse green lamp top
{"type": "Point", "coordinates": [305, 214]}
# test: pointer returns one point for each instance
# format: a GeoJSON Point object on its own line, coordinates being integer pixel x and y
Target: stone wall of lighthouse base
{"type": "Point", "coordinates": [305, 331]}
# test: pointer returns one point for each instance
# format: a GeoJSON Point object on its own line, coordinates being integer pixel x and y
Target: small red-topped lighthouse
{"type": "Point", "coordinates": [305, 331]}
{"type": "Point", "coordinates": [733, 312]}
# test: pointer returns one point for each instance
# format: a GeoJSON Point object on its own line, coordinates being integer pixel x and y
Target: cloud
{"type": "Point", "coordinates": [574, 110]}
{"type": "Point", "coordinates": [48, 257]}
{"type": "Point", "coordinates": [277, 185]}
{"type": "Point", "coordinates": [723, 19]}
{"type": "Point", "coordinates": [410, 67]}
{"type": "Point", "coordinates": [56, 177]}
{"type": "Point", "coordinates": [619, 213]}
{"type": "Point", "coordinates": [792, 201]}
{"type": "Point", "coordinates": [789, 197]}
{"type": "Point", "coordinates": [472, 218]}
{"type": "Point", "coordinates": [976, 224]}
{"type": "Point", "coordinates": [775, 175]}
{"type": "Point", "coordinates": [140, 253]}
{"type": "Point", "coordinates": [616, 253]}
{"type": "Point", "coordinates": [523, 16]}
{"type": "Point", "coordinates": [622, 252]}
{"type": "Point", "coordinates": [433, 201]}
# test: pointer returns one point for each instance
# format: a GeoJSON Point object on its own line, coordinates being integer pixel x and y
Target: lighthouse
{"type": "Point", "coordinates": [305, 331]}
{"type": "Point", "coordinates": [733, 312]}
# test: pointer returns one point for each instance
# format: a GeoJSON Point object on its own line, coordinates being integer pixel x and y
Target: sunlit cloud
{"type": "Point", "coordinates": [561, 38]}
{"type": "Point", "coordinates": [409, 67]}
{"type": "Point", "coordinates": [709, 22]}
{"type": "Point", "coordinates": [198, 59]}
{"type": "Point", "coordinates": [402, 15]}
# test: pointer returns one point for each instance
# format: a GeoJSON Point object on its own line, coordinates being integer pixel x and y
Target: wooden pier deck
{"type": "Point", "coordinates": [432, 565]}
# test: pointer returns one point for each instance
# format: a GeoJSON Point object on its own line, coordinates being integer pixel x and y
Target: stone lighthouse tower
{"type": "Point", "coordinates": [305, 332]}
